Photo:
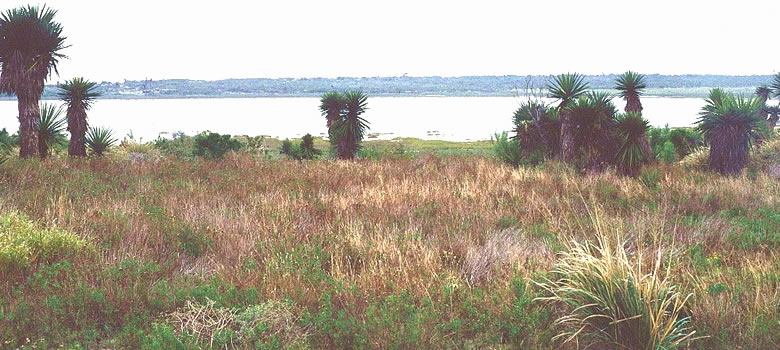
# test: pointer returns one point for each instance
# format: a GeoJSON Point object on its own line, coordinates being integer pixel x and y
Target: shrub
{"type": "Point", "coordinates": [23, 245]}
{"type": "Point", "coordinates": [99, 140]}
{"type": "Point", "coordinates": [506, 150]}
{"type": "Point", "coordinates": [180, 145]}
{"type": "Point", "coordinates": [212, 145]}
{"type": "Point", "coordinates": [291, 150]}
{"type": "Point", "coordinates": [612, 303]}
{"type": "Point", "coordinates": [668, 153]}
{"type": "Point", "coordinates": [307, 147]}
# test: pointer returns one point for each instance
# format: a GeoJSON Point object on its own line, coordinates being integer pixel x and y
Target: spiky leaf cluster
{"type": "Point", "coordinates": [537, 129]}
{"type": "Point", "coordinates": [30, 47]}
{"type": "Point", "coordinates": [346, 126]}
{"type": "Point", "coordinates": [567, 87]}
{"type": "Point", "coordinates": [51, 128]}
{"type": "Point", "coordinates": [100, 139]}
{"type": "Point", "coordinates": [629, 129]}
{"type": "Point", "coordinates": [730, 124]}
{"type": "Point", "coordinates": [630, 84]}
{"type": "Point", "coordinates": [776, 86]}
{"type": "Point", "coordinates": [78, 93]}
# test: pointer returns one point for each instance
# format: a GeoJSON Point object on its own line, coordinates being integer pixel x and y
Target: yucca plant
{"type": "Point", "coordinates": [611, 303]}
{"type": "Point", "coordinates": [630, 128]}
{"type": "Point", "coordinates": [332, 105]}
{"type": "Point", "coordinates": [506, 149]}
{"type": "Point", "coordinates": [592, 121]}
{"type": "Point", "coordinates": [630, 86]}
{"type": "Point", "coordinates": [78, 94]}
{"type": "Point", "coordinates": [307, 147]}
{"type": "Point", "coordinates": [100, 140]}
{"type": "Point", "coordinates": [776, 86]}
{"type": "Point", "coordinates": [566, 88]}
{"type": "Point", "coordinates": [350, 129]}
{"type": "Point", "coordinates": [763, 92]}
{"type": "Point", "coordinates": [537, 128]}
{"type": "Point", "coordinates": [50, 128]}
{"type": "Point", "coordinates": [730, 124]}
{"type": "Point", "coordinates": [31, 45]}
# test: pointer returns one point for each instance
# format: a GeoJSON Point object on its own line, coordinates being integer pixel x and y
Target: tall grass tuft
{"type": "Point", "coordinates": [612, 303]}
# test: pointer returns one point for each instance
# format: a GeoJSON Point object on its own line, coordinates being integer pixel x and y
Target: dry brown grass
{"type": "Point", "coordinates": [381, 228]}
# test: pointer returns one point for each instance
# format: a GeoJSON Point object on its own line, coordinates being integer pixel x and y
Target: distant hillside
{"type": "Point", "coordinates": [508, 85]}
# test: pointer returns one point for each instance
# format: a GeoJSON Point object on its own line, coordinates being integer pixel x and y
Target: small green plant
{"type": "Point", "coordinates": [630, 129]}
{"type": "Point", "coordinates": [506, 150]}
{"type": "Point", "coordinates": [100, 140]}
{"type": "Point", "coordinates": [212, 145]}
{"type": "Point", "coordinates": [613, 303]}
{"type": "Point", "coordinates": [23, 244]}
{"type": "Point", "coordinates": [668, 153]}
{"type": "Point", "coordinates": [307, 147]}
{"type": "Point", "coordinates": [51, 128]}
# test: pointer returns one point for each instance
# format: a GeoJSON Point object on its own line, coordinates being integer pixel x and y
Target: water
{"type": "Point", "coordinates": [445, 118]}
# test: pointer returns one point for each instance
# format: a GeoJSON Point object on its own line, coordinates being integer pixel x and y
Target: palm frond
{"type": "Point", "coordinates": [630, 128]}
{"type": "Point", "coordinates": [51, 128]}
{"type": "Point", "coordinates": [730, 123]}
{"type": "Point", "coordinates": [567, 87]}
{"type": "Point", "coordinates": [30, 41]}
{"type": "Point", "coordinates": [78, 93]}
{"type": "Point", "coordinates": [630, 85]}
{"type": "Point", "coordinates": [763, 92]}
{"type": "Point", "coordinates": [776, 86]}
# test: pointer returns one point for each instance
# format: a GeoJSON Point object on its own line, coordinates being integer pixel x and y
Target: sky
{"type": "Point", "coordinates": [212, 40]}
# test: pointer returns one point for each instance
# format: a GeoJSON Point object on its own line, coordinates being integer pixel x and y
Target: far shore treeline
{"type": "Point", "coordinates": [506, 85]}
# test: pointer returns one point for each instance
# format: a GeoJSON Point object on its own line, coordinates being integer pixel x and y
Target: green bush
{"type": "Point", "coordinates": [23, 245]}
{"type": "Point", "coordinates": [506, 150]}
{"type": "Point", "coordinates": [212, 145]}
{"type": "Point", "coordinates": [180, 145]}
{"type": "Point", "coordinates": [668, 153]}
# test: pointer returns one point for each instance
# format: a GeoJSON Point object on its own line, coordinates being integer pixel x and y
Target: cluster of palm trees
{"type": "Point", "coordinates": [346, 126]}
{"type": "Point", "coordinates": [732, 124]}
{"type": "Point", "coordinates": [585, 127]}
{"type": "Point", "coordinates": [31, 45]}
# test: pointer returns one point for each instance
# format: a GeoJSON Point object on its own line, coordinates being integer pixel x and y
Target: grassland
{"type": "Point", "coordinates": [407, 250]}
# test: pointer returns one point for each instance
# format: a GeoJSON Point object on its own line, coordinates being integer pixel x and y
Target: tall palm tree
{"type": "Point", "coordinates": [730, 124]}
{"type": "Point", "coordinates": [630, 86]}
{"type": "Point", "coordinates": [350, 129]}
{"type": "Point", "coordinates": [30, 48]}
{"type": "Point", "coordinates": [50, 128]}
{"type": "Point", "coordinates": [78, 94]}
{"type": "Point", "coordinates": [566, 88]}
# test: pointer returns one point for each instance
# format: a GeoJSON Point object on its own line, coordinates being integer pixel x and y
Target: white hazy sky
{"type": "Point", "coordinates": [116, 40]}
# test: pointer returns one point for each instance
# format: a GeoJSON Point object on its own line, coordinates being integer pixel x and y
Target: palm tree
{"type": "Point", "coordinates": [592, 120]}
{"type": "Point", "coordinates": [331, 105]}
{"type": "Point", "coordinates": [50, 128]}
{"type": "Point", "coordinates": [776, 86]}
{"type": "Point", "coordinates": [566, 88]}
{"type": "Point", "coordinates": [730, 124]}
{"type": "Point", "coordinates": [537, 128]}
{"type": "Point", "coordinates": [630, 127]}
{"type": "Point", "coordinates": [763, 92]}
{"type": "Point", "coordinates": [30, 48]}
{"type": "Point", "coordinates": [79, 94]}
{"type": "Point", "coordinates": [630, 86]}
{"type": "Point", "coordinates": [350, 129]}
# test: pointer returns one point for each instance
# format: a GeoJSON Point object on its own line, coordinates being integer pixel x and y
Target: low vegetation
{"type": "Point", "coordinates": [420, 251]}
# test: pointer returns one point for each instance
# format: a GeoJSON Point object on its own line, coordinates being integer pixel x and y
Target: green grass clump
{"type": "Point", "coordinates": [23, 244]}
{"type": "Point", "coordinates": [611, 302]}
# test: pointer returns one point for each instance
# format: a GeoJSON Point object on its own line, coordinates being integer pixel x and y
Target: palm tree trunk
{"type": "Point", "coordinates": [43, 151]}
{"type": "Point", "coordinates": [644, 142]}
{"type": "Point", "coordinates": [29, 115]}
{"type": "Point", "coordinates": [77, 126]}
{"type": "Point", "coordinates": [567, 136]}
